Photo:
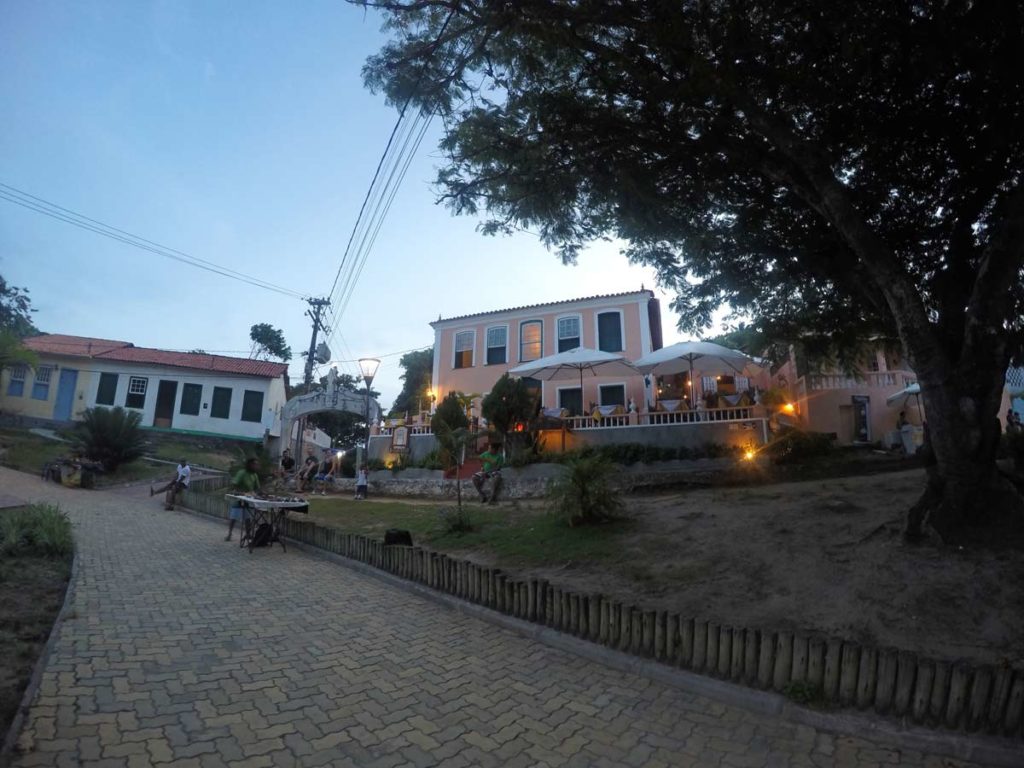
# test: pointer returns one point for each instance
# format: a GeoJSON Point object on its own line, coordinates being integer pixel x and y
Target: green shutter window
{"type": "Point", "coordinates": [220, 408]}
{"type": "Point", "coordinates": [609, 332]}
{"type": "Point", "coordinates": [107, 390]}
{"type": "Point", "coordinates": [191, 398]}
{"type": "Point", "coordinates": [252, 406]}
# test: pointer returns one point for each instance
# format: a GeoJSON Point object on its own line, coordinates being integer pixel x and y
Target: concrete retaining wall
{"type": "Point", "coordinates": [826, 670]}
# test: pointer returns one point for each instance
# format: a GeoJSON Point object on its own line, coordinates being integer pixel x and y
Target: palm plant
{"type": "Point", "coordinates": [110, 436]}
{"type": "Point", "coordinates": [582, 495]}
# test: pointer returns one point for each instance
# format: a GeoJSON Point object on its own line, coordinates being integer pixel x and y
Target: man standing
{"type": "Point", "coordinates": [246, 481]}
{"type": "Point", "coordinates": [182, 478]}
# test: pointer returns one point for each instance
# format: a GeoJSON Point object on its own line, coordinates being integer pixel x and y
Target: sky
{"type": "Point", "coordinates": [240, 133]}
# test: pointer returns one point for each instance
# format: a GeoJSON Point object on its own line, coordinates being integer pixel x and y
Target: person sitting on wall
{"type": "Point", "coordinates": [324, 474]}
{"type": "Point", "coordinates": [287, 463]}
{"type": "Point", "coordinates": [491, 471]}
{"type": "Point", "coordinates": [309, 468]}
{"type": "Point", "coordinates": [182, 477]}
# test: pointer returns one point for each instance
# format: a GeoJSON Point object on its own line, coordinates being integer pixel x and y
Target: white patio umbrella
{"type": "Point", "coordinates": [709, 358]}
{"type": "Point", "coordinates": [905, 394]}
{"type": "Point", "coordinates": [575, 363]}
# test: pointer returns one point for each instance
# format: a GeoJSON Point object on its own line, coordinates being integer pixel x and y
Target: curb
{"type": "Point", "coordinates": [983, 749]}
{"type": "Point", "coordinates": [11, 738]}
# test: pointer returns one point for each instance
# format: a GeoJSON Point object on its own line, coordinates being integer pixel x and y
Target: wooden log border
{"type": "Point", "coordinates": [929, 692]}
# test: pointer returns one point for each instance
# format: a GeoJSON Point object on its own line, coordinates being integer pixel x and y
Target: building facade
{"type": "Point", "coordinates": [472, 352]}
{"type": "Point", "coordinates": [177, 391]}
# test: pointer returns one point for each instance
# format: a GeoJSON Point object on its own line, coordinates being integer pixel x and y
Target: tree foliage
{"type": "Point", "coordinates": [509, 402]}
{"type": "Point", "coordinates": [832, 171]}
{"type": "Point", "coordinates": [416, 380]}
{"type": "Point", "coordinates": [268, 342]}
{"type": "Point", "coordinates": [15, 311]}
{"type": "Point", "coordinates": [111, 436]}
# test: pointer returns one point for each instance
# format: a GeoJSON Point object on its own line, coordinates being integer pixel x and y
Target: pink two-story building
{"type": "Point", "coordinates": [472, 352]}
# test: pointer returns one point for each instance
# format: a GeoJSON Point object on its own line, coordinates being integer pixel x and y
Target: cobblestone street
{"type": "Point", "coordinates": [180, 648]}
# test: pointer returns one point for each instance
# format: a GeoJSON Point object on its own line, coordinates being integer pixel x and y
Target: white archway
{"type": "Point", "coordinates": [332, 398]}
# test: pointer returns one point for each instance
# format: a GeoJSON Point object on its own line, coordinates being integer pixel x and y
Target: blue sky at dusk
{"type": "Point", "coordinates": [240, 133]}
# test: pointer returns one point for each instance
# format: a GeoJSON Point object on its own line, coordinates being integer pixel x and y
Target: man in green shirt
{"type": "Point", "coordinates": [491, 470]}
{"type": "Point", "coordinates": [246, 481]}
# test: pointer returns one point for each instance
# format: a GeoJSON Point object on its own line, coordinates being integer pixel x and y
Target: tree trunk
{"type": "Point", "coordinates": [965, 490]}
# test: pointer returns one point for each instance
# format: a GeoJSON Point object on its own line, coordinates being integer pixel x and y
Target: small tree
{"type": "Point", "coordinates": [110, 436]}
{"type": "Point", "coordinates": [508, 403]}
{"type": "Point", "coordinates": [582, 494]}
{"type": "Point", "coordinates": [451, 430]}
{"type": "Point", "coordinates": [268, 342]}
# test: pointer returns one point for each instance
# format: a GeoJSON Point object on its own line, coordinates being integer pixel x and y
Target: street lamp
{"type": "Point", "coordinates": [368, 368]}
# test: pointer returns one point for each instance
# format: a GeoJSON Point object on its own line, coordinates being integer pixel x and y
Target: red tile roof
{"type": "Point", "coordinates": [73, 346]}
{"type": "Point", "coordinates": [647, 291]}
{"type": "Point", "coordinates": [123, 351]}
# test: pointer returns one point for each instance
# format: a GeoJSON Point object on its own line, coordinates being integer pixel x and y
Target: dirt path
{"type": "Point", "coordinates": [824, 555]}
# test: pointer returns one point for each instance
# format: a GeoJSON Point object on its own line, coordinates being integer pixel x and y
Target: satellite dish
{"type": "Point", "coordinates": [323, 353]}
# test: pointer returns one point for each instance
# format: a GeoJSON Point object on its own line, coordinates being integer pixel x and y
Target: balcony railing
{"type": "Point", "coordinates": [873, 379]}
{"type": "Point", "coordinates": [414, 429]}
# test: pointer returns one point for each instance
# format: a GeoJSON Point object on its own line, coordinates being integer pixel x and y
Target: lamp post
{"type": "Point", "coordinates": [368, 368]}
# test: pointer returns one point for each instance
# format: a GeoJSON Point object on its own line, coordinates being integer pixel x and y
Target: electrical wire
{"type": "Point", "coordinates": [378, 194]}
{"type": "Point", "coordinates": [54, 211]}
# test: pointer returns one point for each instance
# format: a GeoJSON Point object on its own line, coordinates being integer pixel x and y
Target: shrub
{"type": "Point", "coordinates": [110, 436]}
{"type": "Point", "coordinates": [582, 495]}
{"type": "Point", "coordinates": [374, 465]}
{"type": "Point", "coordinates": [456, 520]}
{"type": "Point", "coordinates": [1013, 444]}
{"type": "Point", "coordinates": [431, 461]}
{"type": "Point", "coordinates": [793, 445]}
{"type": "Point", "coordinates": [451, 413]}
{"type": "Point", "coordinates": [35, 530]}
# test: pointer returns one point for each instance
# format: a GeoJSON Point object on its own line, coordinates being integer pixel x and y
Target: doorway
{"type": "Point", "coordinates": [65, 394]}
{"type": "Point", "coordinates": [861, 418]}
{"type": "Point", "coordinates": [166, 394]}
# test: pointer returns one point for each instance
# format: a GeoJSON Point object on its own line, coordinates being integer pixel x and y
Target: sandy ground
{"type": "Point", "coordinates": [819, 556]}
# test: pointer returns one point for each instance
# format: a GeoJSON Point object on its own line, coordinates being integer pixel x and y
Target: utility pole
{"type": "Point", "coordinates": [315, 312]}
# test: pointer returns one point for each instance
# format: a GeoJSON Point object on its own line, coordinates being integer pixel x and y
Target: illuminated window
{"type": "Point", "coordinates": [531, 340]}
{"type": "Point", "coordinates": [464, 349]}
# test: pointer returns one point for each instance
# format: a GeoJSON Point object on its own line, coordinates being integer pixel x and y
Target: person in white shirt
{"type": "Point", "coordinates": [182, 477]}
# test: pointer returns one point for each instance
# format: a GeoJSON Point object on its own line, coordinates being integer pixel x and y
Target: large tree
{"type": "Point", "coordinates": [415, 394]}
{"type": "Point", "coordinates": [851, 168]}
{"type": "Point", "coordinates": [16, 310]}
{"type": "Point", "coordinates": [267, 342]}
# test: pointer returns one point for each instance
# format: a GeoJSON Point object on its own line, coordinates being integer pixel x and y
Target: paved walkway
{"type": "Point", "coordinates": [182, 649]}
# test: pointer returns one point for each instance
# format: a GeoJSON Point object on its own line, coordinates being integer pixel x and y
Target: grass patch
{"type": "Point", "coordinates": [35, 562]}
{"type": "Point", "coordinates": [512, 537]}
{"type": "Point", "coordinates": [36, 531]}
{"type": "Point", "coordinates": [21, 450]}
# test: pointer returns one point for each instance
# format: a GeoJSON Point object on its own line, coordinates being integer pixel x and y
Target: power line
{"type": "Point", "coordinates": [381, 193]}
{"type": "Point", "coordinates": [54, 211]}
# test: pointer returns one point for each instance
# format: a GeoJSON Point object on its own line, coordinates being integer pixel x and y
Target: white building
{"type": "Point", "coordinates": [177, 391]}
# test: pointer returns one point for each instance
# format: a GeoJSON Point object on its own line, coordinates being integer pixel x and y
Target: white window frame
{"type": "Point", "coordinates": [43, 379]}
{"type": "Point", "coordinates": [472, 348]}
{"type": "Point", "coordinates": [44, 374]}
{"type": "Point", "coordinates": [18, 372]}
{"type": "Point", "coordinates": [488, 347]}
{"type": "Point", "coordinates": [558, 328]}
{"type": "Point", "coordinates": [622, 327]}
{"type": "Point", "coordinates": [133, 390]}
{"type": "Point", "coordinates": [625, 392]}
{"type": "Point", "coordinates": [540, 322]}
